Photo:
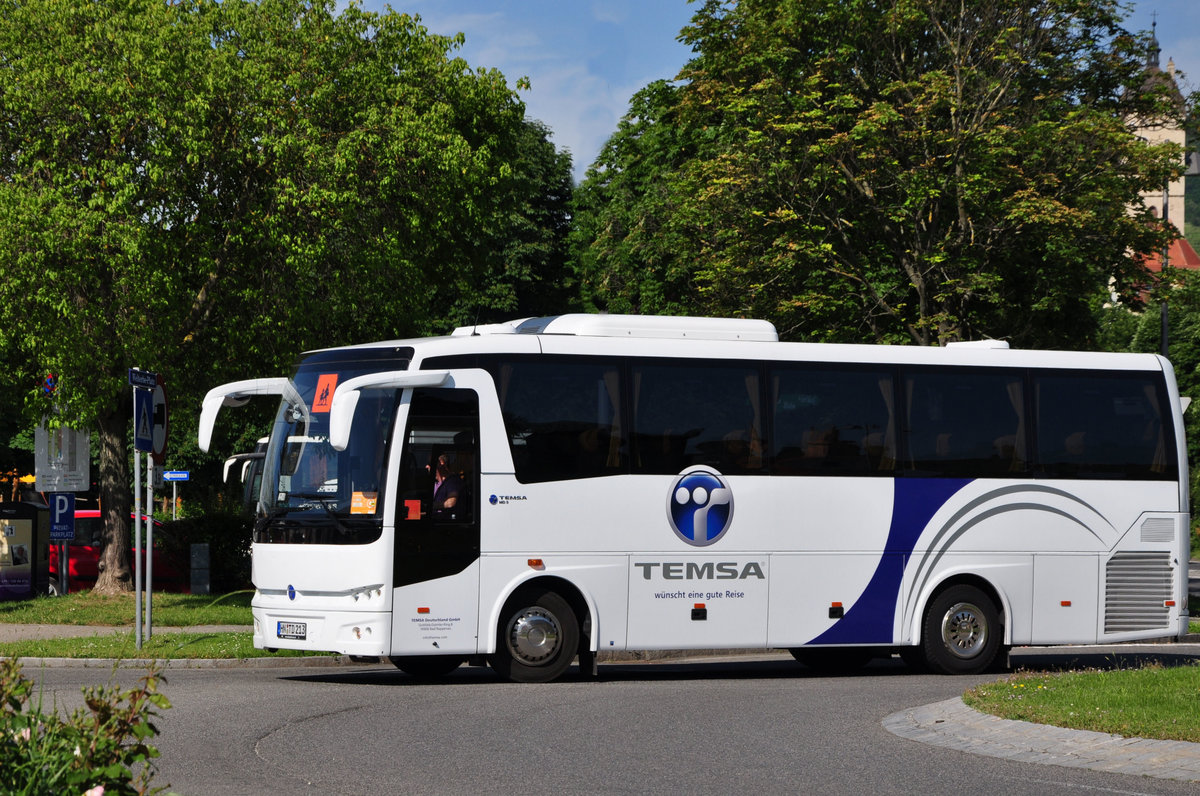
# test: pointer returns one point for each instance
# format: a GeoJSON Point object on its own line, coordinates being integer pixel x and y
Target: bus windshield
{"type": "Point", "coordinates": [310, 492]}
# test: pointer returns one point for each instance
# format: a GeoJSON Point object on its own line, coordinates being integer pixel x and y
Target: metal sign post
{"type": "Point", "coordinates": [175, 476]}
{"type": "Point", "coordinates": [137, 546]}
{"type": "Point", "coordinates": [149, 549]}
{"type": "Point", "coordinates": [143, 383]}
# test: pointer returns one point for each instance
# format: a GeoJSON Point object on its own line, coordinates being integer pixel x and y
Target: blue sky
{"type": "Point", "coordinates": [586, 58]}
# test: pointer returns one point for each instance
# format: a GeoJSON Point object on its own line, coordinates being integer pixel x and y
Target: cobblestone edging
{"type": "Point", "coordinates": [953, 725]}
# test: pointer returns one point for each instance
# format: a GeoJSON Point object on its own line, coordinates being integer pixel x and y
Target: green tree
{"type": "Point", "coordinates": [525, 245]}
{"type": "Point", "coordinates": [905, 171]}
{"type": "Point", "coordinates": [625, 249]}
{"type": "Point", "coordinates": [1125, 330]}
{"type": "Point", "coordinates": [205, 188]}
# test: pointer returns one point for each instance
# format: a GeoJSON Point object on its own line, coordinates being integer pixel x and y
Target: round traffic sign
{"type": "Point", "coordinates": [161, 422]}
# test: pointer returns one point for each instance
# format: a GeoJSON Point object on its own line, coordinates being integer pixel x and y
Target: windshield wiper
{"type": "Point", "coordinates": [265, 520]}
{"type": "Point", "coordinates": [320, 498]}
{"type": "Point", "coordinates": [314, 495]}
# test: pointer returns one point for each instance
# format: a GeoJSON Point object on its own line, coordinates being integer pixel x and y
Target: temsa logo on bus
{"type": "Point", "coordinates": [709, 570]}
{"type": "Point", "coordinates": [700, 506]}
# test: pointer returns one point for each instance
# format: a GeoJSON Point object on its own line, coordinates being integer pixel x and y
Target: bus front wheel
{"type": "Point", "coordinates": [962, 631]}
{"type": "Point", "coordinates": [539, 636]}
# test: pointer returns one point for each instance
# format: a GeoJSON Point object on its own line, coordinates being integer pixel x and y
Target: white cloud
{"type": "Point", "coordinates": [582, 60]}
{"type": "Point", "coordinates": [611, 11]}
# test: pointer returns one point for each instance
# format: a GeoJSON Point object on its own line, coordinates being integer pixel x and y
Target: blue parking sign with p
{"type": "Point", "coordinates": [62, 516]}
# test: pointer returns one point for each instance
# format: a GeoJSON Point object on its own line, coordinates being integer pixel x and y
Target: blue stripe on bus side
{"type": "Point", "coordinates": [871, 619]}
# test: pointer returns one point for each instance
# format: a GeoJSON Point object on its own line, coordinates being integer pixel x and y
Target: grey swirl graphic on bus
{"type": "Point", "coordinates": [700, 506]}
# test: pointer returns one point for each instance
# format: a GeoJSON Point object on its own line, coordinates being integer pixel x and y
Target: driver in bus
{"type": "Point", "coordinates": [447, 487]}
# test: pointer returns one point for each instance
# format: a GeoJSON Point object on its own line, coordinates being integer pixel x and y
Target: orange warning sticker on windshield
{"type": "Point", "coordinates": [326, 384]}
{"type": "Point", "coordinates": [363, 502]}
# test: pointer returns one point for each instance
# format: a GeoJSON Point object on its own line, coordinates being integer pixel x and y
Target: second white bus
{"type": "Point", "coordinates": [648, 483]}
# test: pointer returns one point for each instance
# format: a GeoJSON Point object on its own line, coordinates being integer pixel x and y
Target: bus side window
{"type": "Point", "coordinates": [442, 432]}
{"type": "Point", "coordinates": [562, 417]}
{"type": "Point", "coordinates": [966, 423]}
{"type": "Point", "coordinates": [696, 413]}
{"type": "Point", "coordinates": [832, 421]}
{"type": "Point", "coordinates": [1103, 425]}
{"type": "Point", "coordinates": [435, 541]}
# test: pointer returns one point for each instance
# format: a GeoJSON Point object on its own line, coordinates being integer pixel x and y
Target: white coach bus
{"type": "Point", "coordinates": [644, 483]}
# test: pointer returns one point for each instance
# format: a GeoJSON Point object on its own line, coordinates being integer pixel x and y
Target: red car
{"type": "Point", "coordinates": [84, 556]}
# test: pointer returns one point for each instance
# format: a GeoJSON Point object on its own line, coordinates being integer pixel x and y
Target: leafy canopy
{"type": "Point", "coordinates": [908, 170]}
{"type": "Point", "coordinates": [206, 188]}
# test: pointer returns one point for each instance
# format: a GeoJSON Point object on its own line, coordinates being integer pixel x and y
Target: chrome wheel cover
{"type": "Point", "coordinates": [533, 636]}
{"type": "Point", "coordinates": [964, 630]}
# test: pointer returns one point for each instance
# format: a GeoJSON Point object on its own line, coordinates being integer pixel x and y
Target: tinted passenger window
{"type": "Point", "coordinates": [440, 458]}
{"type": "Point", "coordinates": [967, 422]}
{"type": "Point", "coordinates": [437, 516]}
{"type": "Point", "coordinates": [832, 421]}
{"type": "Point", "coordinates": [694, 413]}
{"type": "Point", "coordinates": [1103, 425]}
{"type": "Point", "coordinates": [562, 418]}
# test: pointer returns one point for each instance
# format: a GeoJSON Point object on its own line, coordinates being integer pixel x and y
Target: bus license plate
{"type": "Point", "coordinates": [293, 630]}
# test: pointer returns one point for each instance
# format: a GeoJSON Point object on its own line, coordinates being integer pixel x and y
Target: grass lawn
{"type": "Point", "coordinates": [86, 608]}
{"type": "Point", "coordinates": [1154, 702]}
{"type": "Point", "coordinates": [160, 646]}
{"type": "Point", "coordinates": [170, 610]}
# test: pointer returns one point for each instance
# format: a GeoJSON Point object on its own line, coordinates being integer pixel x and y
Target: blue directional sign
{"type": "Point", "coordinates": [176, 475]}
{"type": "Point", "coordinates": [62, 516]}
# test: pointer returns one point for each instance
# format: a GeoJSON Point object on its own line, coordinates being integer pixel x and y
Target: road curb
{"type": "Point", "coordinates": [953, 725]}
{"type": "Point", "coordinates": [312, 661]}
{"type": "Point", "coordinates": [326, 661]}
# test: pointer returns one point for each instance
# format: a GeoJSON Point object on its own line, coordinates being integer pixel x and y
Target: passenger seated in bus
{"type": "Point", "coordinates": [447, 488]}
{"type": "Point", "coordinates": [739, 454]}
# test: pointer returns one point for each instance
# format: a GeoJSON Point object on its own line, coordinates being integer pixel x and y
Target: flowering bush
{"type": "Point", "coordinates": [92, 752]}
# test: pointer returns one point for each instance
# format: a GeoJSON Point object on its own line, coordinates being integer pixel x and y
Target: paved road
{"type": "Point", "coordinates": [713, 726]}
{"type": "Point", "coordinates": [760, 723]}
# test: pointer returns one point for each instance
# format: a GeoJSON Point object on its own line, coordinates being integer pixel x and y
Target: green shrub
{"type": "Point", "coordinates": [228, 538]}
{"type": "Point", "coordinates": [102, 748]}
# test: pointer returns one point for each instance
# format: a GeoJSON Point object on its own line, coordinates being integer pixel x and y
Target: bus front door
{"type": "Point", "coordinates": [436, 553]}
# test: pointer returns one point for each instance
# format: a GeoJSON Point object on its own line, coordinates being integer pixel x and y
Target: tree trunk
{"type": "Point", "coordinates": [115, 575]}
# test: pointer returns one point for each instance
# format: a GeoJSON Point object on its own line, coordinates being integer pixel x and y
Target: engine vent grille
{"type": "Point", "coordinates": [1158, 529]}
{"type": "Point", "coordinates": [1137, 586]}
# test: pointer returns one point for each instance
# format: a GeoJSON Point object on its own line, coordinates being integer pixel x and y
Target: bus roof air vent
{"type": "Point", "coordinates": [651, 326]}
{"type": "Point", "coordinates": [980, 344]}
{"type": "Point", "coordinates": [508, 327]}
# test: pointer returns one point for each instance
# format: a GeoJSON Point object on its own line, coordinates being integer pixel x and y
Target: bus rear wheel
{"type": "Point", "coordinates": [426, 667]}
{"type": "Point", "coordinates": [962, 632]}
{"type": "Point", "coordinates": [538, 638]}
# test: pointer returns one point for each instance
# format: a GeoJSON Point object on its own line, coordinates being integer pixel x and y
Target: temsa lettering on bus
{"type": "Point", "coordinates": [692, 570]}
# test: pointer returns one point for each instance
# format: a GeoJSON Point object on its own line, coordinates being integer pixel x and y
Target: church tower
{"type": "Point", "coordinates": [1171, 198]}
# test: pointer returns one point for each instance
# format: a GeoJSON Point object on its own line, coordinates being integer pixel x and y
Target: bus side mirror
{"type": "Point", "coordinates": [234, 393]}
{"type": "Point", "coordinates": [345, 398]}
